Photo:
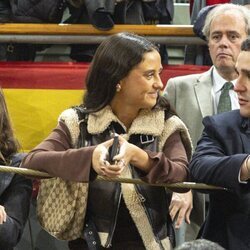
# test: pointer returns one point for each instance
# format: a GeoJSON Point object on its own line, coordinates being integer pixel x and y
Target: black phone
{"type": "Point", "coordinates": [114, 149]}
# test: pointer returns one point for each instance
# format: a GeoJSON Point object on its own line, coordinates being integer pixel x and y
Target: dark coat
{"type": "Point", "coordinates": [224, 145]}
{"type": "Point", "coordinates": [5, 11]}
{"type": "Point", "coordinates": [42, 11]}
{"type": "Point", "coordinates": [102, 14]}
{"type": "Point", "coordinates": [99, 11]}
{"type": "Point", "coordinates": [15, 193]}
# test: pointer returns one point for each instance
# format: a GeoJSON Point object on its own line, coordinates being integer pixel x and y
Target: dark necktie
{"type": "Point", "coordinates": [224, 104]}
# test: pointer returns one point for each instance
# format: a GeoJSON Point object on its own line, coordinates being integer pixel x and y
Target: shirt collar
{"type": "Point", "coordinates": [219, 81]}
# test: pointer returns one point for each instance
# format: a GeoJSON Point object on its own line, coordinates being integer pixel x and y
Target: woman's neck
{"type": "Point", "coordinates": [125, 114]}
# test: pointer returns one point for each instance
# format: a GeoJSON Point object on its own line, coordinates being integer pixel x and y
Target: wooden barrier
{"type": "Point", "coordinates": [84, 33]}
{"type": "Point", "coordinates": [86, 29]}
{"type": "Point", "coordinates": [36, 93]}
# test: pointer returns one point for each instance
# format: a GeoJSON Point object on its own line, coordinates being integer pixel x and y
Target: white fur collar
{"type": "Point", "coordinates": [148, 122]}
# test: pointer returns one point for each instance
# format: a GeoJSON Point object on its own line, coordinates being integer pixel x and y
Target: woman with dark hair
{"type": "Point", "coordinates": [15, 190]}
{"type": "Point", "coordinates": [122, 101]}
{"type": "Point", "coordinates": [8, 143]}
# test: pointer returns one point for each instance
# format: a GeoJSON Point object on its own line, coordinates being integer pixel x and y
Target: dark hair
{"type": "Point", "coordinates": [200, 21]}
{"type": "Point", "coordinates": [245, 46]}
{"type": "Point", "coordinates": [8, 143]}
{"type": "Point", "coordinates": [200, 244]}
{"type": "Point", "coordinates": [113, 60]}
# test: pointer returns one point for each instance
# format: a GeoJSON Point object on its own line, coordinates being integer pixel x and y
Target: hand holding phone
{"type": "Point", "coordinates": [114, 149]}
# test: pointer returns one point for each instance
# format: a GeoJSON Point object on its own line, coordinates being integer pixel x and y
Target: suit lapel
{"type": "Point", "coordinates": [202, 89]}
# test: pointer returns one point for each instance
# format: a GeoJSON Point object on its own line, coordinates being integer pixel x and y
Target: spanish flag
{"type": "Point", "coordinates": [36, 93]}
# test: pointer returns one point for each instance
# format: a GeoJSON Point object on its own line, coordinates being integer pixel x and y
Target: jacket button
{"type": "Point", "coordinates": [141, 198]}
{"type": "Point", "coordinates": [86, 225]}
{"type": "Point", "coordinates": [90, 232]}
{"type": "Point", "coordinates": [94, 243]}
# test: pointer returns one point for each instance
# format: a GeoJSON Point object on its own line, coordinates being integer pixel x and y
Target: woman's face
{"type": "Point", "coordinates": [141, 87]}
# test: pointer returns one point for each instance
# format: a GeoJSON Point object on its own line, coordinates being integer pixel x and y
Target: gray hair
{"type": "Point", "coordinates": [221, 9]}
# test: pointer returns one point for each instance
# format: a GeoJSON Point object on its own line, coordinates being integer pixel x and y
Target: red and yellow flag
{"type": "Point", "coordinates": [36, 93]}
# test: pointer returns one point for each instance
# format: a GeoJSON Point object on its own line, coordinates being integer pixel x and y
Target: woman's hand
{"type": "Point", "coordinates": [126, 151]}
{"type": "Point", "coordinates": [3, 215]}
{"type": "Point", "coordinates": [181, 207]}
{"type": "Point", "coordinates": [100, 163]}
{"type": "Point", "coordinates": [130, 153]}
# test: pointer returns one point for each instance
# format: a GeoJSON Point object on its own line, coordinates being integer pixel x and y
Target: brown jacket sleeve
{"type": "Point", "coordinates": [56, 156]}
{"type": "Point", "coordinates": [169, 166]}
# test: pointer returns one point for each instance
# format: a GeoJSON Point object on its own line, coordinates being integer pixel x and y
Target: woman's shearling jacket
{"type": "Point", "coordinates": [136, 198]}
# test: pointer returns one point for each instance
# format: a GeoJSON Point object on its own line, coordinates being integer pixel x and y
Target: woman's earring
{"type": "Point", "coordinates": [118, 87]}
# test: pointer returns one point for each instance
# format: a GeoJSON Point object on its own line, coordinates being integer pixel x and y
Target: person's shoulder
{"type": "Point", "coordinates": [228, 115]}
{"type": "Point", "coordinates": [227, 118]}
{"type": "Point", "coordinates": [176, 119]}
{"type": "Point", "coordinates": [189, 78]}
{"type": "Point", "coordinates": [67, 114]}
{"type": "Point", "coordinates": [17, 158]}
{"type": "Point", "coordinates": [72, 118]}
{"type": "Point", "coordinates": [74, 113]}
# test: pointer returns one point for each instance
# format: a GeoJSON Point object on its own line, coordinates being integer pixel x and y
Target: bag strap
{"type": "Point", "coordinates": [83, 122]}
{"type": "Point", "coordinates": [91, 236]}
{"type": "Point", "coordinates": [89, 231]}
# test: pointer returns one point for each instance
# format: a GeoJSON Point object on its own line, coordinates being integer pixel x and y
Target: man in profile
{"type": "Point", "coordinates": [222, 158]}
{"type": "Point", "coordinates": [198, 95]}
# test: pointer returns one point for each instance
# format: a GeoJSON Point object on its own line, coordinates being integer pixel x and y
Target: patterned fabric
{"type": "Point", "coordinates": [61, 205]}
{"type": "Point", "coordinates": [60, 211]}
{"type": "Point", "coordinates": [224, 104]}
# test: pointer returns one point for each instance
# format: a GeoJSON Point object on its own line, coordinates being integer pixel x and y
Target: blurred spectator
{"type": "Point", "coordinates": [15, 190]}
{"type": "Point", "coordinates": [102, 14]}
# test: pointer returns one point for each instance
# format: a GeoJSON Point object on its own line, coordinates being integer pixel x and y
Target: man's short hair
{"type": "Point", "coordinates": [221, 9]}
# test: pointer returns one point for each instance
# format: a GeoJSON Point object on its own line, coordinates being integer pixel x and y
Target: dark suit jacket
{"type": "Point", "coordinates": [15, 194]}
{"type": "Point", "coordinates": [224, 145]}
